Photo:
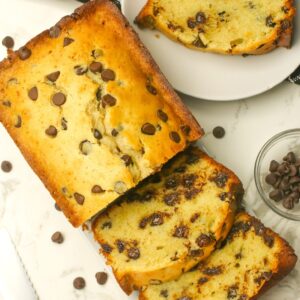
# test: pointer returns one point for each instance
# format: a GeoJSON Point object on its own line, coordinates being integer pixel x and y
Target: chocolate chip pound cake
{"type": "Point", "coordinates": [169, 223]}
{"type": "Point", "coordinates": [253, 259]}
{"type": "Point", "coordinates": [227, 27]}
{"type": "Point", "coordinates": [90, 110]}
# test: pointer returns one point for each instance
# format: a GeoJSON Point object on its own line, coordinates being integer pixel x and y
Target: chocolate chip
{"type": "Point", "coordinates": [204, 240]}
{"type": "Point", "coordinates": [53, 76]}
{"type": "Point", "coordinates": [33, 93]}
{"type": "Point", "coordinates": [202, 280]}
{"type": "Point", "coordinates": [212, 271]}
{"type": "Point", "coordinates": [285, 24]}
{"type": "Point", "coordinates": [273, 166]}
{"type": "Point", "coordinates": [57, 207]}
{"type": "Point", "coordinates": [133, 253]}
{"type": "Point", "coordinates": [101, 277]}
{"type": "Point", "coordinates": [106, 248]}
{"type": "Point", "coordinates": [8, 42]}
{"type": "Point", "coordinates": [157, 219]}
{"type": "Point", "coordinates": [99, 94]}
{"type": "Point", "coordinates": [221, 180]}
{"type": "Point", "coordinates": [148, 129]}
{"type": "Point", "coordinates": [18, 123]}
{"type": "Point", "coordinates": [194, 217]}
{"type": "Point", "coordinates": [288, 203]}
{"type": "Point", "coordinates": [114, 132]}
{"type": "Point", "coordinates": [106, 225]}
{"type": "Point", "coordinates": [6, 166]}
{"type": "Point", "coordinates": [121, 246]}
{"type": "Point", "coordinates": [293, 170]}
{"type": "Point", "coordinates": [57, 237]}
{"type": "Point", "coordinates": [97, 134]}
{"type": "Point", "coordinates": [64, 124]}
{"type": "Point", "coordinates": [219, 132]}
{"type": "Point", "coordinates": [54, 32]}
{"type": "Point", "coordinates": [79, 198]}
{"type": "Point", "coordinates": [108, 100]}
{"type": "Point", "coordinates": [271, 178]}
{"type": "Point", "coordinates": [283, 168]}
{"type": "Point", "coordinates": [68, 41]}
{"type": "Point", "coordinates": [181, 232]}
{"type": "Point", "coordinates": [189, 180]}
{"type": "Point", "coordinates": [127, 159]}
{"type": "Point", "coordinates": [191, 23]}
{"type": "Point", "coordinates": [59, 99]}
{"type": "Point", "coordinates": [108, 75]}
{"type": "Point", "coordinates": [269, 22]}
{"type": "Point", "coordinates": [80, 70]}
{"type": "Point", "coordinates": [79, 283]}
{"type": "Point", "coordinates": [172, 182]}
{"type": "Point", "coordinates": [185, 129]}
{"type": "Point", "coordinates": [276, 195]}
{"type": "Point", "coordinates": [290, 157]}
{"type": "Point", "coordinates": [232, 292]}
{"type": "Point", "coordinates": [51, 131]}
{"type": "Point", "coordinates": [97, 189]}
{"type": "Point", "coordinates": [175, 137]}
{"type": "Point", "coordinates": [164, 293]}
{"type": "Point", "coordinates": [151, 89]}
{"type": "Point", "coordinates": [24, 53]}
{"type": "Point", "coordinates": [171, 199]}
{"type": "Point", "coordinates": [269, 240]}
{"type": "Point", "coordinates": [200, 17]}
{"type": "Point", "coordinates": [196, 253]}
{"type": "Point", "coordinates": [162, 115]}
{"type": "Point", "coordinates": [6, 103]}
{"type": "Point", "coordinates": [95, 67]}
{"type": "Point", "coordinates": [85, 147]}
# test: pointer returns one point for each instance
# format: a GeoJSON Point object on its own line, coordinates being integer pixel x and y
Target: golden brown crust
{"type": "Point", "coordinates": [281, 38]}
{"type": "Point", "coordinates": [139, 54]}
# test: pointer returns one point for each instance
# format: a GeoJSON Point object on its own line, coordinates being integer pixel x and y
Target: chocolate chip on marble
{"type": "Point", "coordinates": [97, 134]}
{"type": "Point", "coordinates": [80, 70]}
{"type": "Point", "coordinates": [127, 159]}
{"type": "Point", "coordinates": [59, 99]}
{"type": "Point", "coordinates": [57, 237]}
{"type": "Point", "coordinates": [108, 75]}
{"type": "Point", "coordinates": [54, 31]}
{"type": "Point", "coordinates": [133, 253]}
{"type": "Point", "coordinates": [219, 132]}
{"type": "Point", "coordinates": [108, 100]}
{"type": "Point", "coordinates": [51, 131]}
{"type": "Point", "coordinates": [6, 166]}
{"type": "Point", "coordinates": [79, 283]}
{"type": "Point", "coordinates": [114, 132]}
{"type": "Point", "coordinates": [181, 232]}
{"type": "Point", "coordinates": [97, 189]}
{"type": "Point", "coordinates": [148, 129]}
{"type": "Point", "coordinates": [8, 42]}
{"type": "Point", "coordinates": [175, 137]}
{"type": "Point", "coordinates": [101, 277]}
{"type": "Point", "coordinates": [67, 41]}
{"type": "Point", "coordinates": [53, 76]}
{"type": "Point", "coordinates": [79, 198]}
{"type": "Point", "coordinates": [96, 67]}
{"type": "Point", "coordinates": [162, 115]}
{"type": "Point", "coordinates": [151, 89]}
{"type": "Point", "coordinates": [85, 147]}
{"type": "Point", "coordinates": [33, 93]}
{"type": "Point", "coordinates": [204, 240]}
{"type": "Point", "coordinates": [18, 122]}
{"type": "Point", "coordinates": [24, 53]}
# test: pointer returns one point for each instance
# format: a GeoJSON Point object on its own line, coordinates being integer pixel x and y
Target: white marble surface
{"type": "Point", "coordinates": [27, 210]}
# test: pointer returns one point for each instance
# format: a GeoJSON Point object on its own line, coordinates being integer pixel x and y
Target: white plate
{"type": "Point", "coordinates": [214, 76]}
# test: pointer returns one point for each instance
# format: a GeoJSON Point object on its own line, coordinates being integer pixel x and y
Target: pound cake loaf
{"type": "Point", "coordinates": [253, 259]}
{"type": "Point", "coordinates": [227, 27]}
{"type": "Point", "coordinates": [90, 110]}
{"type": "Point", "coordinates": [169, 223]}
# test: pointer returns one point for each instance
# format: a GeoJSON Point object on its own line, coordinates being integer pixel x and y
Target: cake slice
{"type": "Point", "coordinates": [90, 110]}
{"type": "Point", "coordinates": [228, 27]}
{"type": "Point", "coordinates": [253, 259]}
{"type": "Point", "coordinates": [170, 222]}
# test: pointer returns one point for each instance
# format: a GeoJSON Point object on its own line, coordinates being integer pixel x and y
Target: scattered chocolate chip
{"type": "Point", "coordinates": [191, 23]}
{"type": "Point", "coordinates": [64, 124]}
{"type": "Point", "coordinates": [175, 137]}
{"type": "Point", "coordinates": [223, 196]}
{"type": "Point", "coordinates": [273, 166]}
{"type": "Point", "coordinates": [108, 100]}
{"type": "Point", "coordinates": [204, 240]}
{"type": "Point", "coordinates": [212, 271]}
{"type": "Point", "coordinates": [164, 293]}
{"type": "Point", "coordinates": [18, 123]}
{"type": "Point", "coordinates": [271, 178]}
{"type": "Point", "coordinates": [270, 22]}
{"type": "Point", "coordinates": [79, 283]}
{"type": "Point", "coordinates": [200, 17]}
{"type": "Point", "coordinates": [133, 253]}
{"type": "Point", "coordinates": [127, 159]}
{"type": "Point", "coordinates": [121, 246]}
{"type": "Point", "coordinates": [101, 277]}
{"type": "Point", "coordinates": [114, 132]}
{"type": "Point", "coordinates": [196, 253]}
{"type": "Point", "coordinates": [33, 93]}
{"type": "Point", "coordinates": [172, 182]}
{"type": "Point", "coordinates": [67, 41]}
{"type": "Point", "coordinates": [59, 99]}
{"type": "Point", "coordinates": [219, 132]}
{"type": "Point", "coordinates": [97, 189]}
{"type": "Point", "coordinates": [6, 166]}
{"type": "Point", "coordinates": [232, 292]}
{"type": "Point", "coordinates": [269, 240]}
{"type": "Point", "coordinates": [202, 280]}
{"type": "Point", "coordinates": [80, 70]}
{"type": "Point", "coordinates": [162, 115]}
{"type": "Point", "coordinates": [57, 237]}
{"type": "Point", "coordinates": [151, 89]}
{"type": "Point", "coordinates": [6, 103]}
{"type": "Point", "coordinates": [157, 219]}
{"type": "Point", "coordinates": [99, 94]}
{"type": "Point", "coordinates": [220, 179]}
{"type": "Point", "coordinates": [8, 42]}
{"type": "Point", "coordinates": [191, 193]}
{"type": "Point", "coordinates": [54, 32]}
{"type": "Point", "coordinates": [148, 129]}
{"type": "Point", "coordinates": [189, 180]}
{"type": "Point", "coordinates": [97, 134]}
{"type": "Point", "coordinates": [108, 75]}
{"type": "Point", "coordinates": [276, 195]}
{"type": "Point", "coordinates": [194, 217]}
{"type": "Point", "coordinates": [181, 232]}
{"type": "Point", "coordinates": [51, 131]}
{"type": "Point", "coordinates": [57, 207]}
{"type": "Point", "coordinates": [171, 199]}
{"type": "Point", "coordinates": [106, 225]}
{"type": "Point", "coordinates": [288, 203]}
{"type": "Point", "coordinates": [106, 248]}
{"type": "Point", "coordinates": [290, 157]}
{"type": "Point", "coordinates": [24, 53]}
{"type": "Point", "coordinates": [96, 67]}
{"type": "Point", "coordinates": [79, 198]}
{"type": "Point", "coordinates": [53, 76]}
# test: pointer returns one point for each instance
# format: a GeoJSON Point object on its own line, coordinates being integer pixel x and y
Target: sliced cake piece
{"type": "Point", "coordinates": [90, 110]}
{"type": "Point", "coordinates": [253, 259]}
{"type": "Point", "coordinates": [170, 222]}
{"type": "Point", "coordinates": [228, 27]}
